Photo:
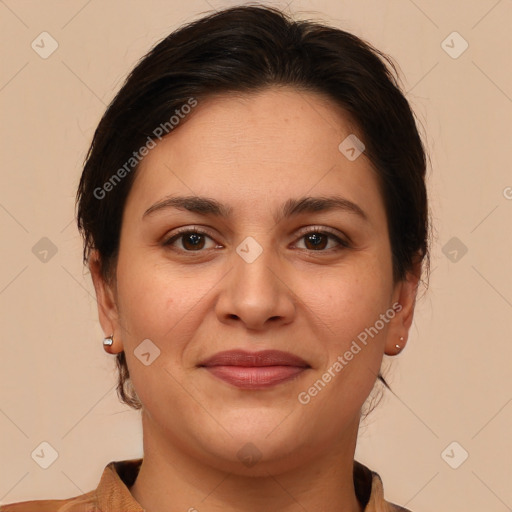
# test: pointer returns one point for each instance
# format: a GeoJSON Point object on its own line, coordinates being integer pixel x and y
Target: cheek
{"type": "Point", "coordinates": [154, 297]}
{"type": "Point", "coordinates": [347, 301]}
{"type": "Point", "coordinates": [155, 306]}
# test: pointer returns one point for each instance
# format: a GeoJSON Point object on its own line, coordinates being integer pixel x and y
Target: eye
{"type": "Point", "coordinates": [317, 239]}
{"type": "Point", "coordinates": [192, 240]}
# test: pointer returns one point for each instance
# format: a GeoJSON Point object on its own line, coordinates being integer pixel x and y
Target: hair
{"type": "Point", "coordinates": [243, 50]}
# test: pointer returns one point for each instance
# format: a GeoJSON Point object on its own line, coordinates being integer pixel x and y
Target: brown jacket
{"type": "Point", "coordinates": [113, 494]}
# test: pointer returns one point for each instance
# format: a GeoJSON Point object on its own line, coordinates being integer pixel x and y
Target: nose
{"type": "Point", "coordinates": [256, 293]}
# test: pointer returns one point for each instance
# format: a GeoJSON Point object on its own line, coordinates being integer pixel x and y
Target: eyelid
{"type": "Point", "coordinates": [168, 239]}
{"type": "Point", "coordinates": [324, 230]}
{"type": "Point", "coordinates": [342, 240]}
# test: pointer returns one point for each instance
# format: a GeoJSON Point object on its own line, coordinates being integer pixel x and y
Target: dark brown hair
{"type": "Point", "coordinates": [246, 49]}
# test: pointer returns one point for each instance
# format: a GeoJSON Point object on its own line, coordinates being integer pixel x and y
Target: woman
{"type": "Point", "coordinates": [255, 221]}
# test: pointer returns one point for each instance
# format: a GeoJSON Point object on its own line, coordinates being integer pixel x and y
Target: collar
{"type": "Point", "coordinates": [113, 494]}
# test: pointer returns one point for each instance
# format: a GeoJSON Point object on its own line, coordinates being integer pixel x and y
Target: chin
{"type": "Point", "coordinates": [253, 451]}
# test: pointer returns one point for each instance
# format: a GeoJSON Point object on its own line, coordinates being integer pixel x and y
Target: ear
{"type": "Point", "coordinates": [403, 302]}
{"type": "Point", "coordinates": [107, 304]}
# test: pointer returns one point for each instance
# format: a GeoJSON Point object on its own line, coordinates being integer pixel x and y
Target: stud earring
{"type": "Point", "coordinates": [399, 347]}
{"type": "Point", "coordinates": [108, 342]}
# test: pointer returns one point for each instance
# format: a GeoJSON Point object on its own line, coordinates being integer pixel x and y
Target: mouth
{"type": "Point", "coordinates": [255, 370]}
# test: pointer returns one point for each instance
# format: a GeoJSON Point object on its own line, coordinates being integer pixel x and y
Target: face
{"type": "Point", "coordinates": [287, 249]}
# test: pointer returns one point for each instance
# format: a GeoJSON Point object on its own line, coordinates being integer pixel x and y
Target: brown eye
{"type": "Point", "coordinates": [191, 241]}
{"type": "Point", "coordinates": [316, 240]}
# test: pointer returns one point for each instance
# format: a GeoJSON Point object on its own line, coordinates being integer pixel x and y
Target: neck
{"type": "Point", "coordinates": [172, 480]}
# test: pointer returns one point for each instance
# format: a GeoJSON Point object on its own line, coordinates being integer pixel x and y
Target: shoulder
{"type": "Point", "coordinates": [378, 497]}
{"type": "Point", "coordinates": [112, 494]}
{"type": "Point", "coordinates": [370, 491]}
{"type": "Point", "coordinates": [397, 508]}
{"type": "Point", "coordinates": [82, 503]}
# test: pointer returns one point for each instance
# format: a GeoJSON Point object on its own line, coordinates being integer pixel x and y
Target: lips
{"type": "Point", "coordinates": [254, 370]}
{"type": "Point", "coordinates": [262, 358]}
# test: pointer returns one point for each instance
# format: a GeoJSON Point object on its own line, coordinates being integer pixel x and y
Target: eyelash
{"type": "Point", "coordinates": [343, 244]}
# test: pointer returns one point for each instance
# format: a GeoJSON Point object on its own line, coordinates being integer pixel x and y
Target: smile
{"type": "Point", "coordinates": [257, 370]}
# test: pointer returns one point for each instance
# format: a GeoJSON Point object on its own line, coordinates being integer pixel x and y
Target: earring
{"type": "Point", "coordinates": [108, 342]}
{"type": "Point", "coordinates": [399, 347]}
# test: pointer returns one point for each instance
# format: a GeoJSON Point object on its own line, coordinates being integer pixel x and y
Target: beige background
{"type": "Point", "coordinates": [452, 382]}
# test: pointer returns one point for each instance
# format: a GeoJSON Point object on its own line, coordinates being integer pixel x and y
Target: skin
{"type": "Point", "coordinates": [252, 153]}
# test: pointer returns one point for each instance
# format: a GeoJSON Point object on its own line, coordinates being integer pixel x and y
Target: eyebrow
{"type": "Point", "coordinates": [292, 207]}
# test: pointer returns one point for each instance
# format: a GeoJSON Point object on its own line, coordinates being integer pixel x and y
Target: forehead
{"type": "Point", "coordinates": [273, 144]}
{"type": "Point", "coordinates": [273, 123]}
